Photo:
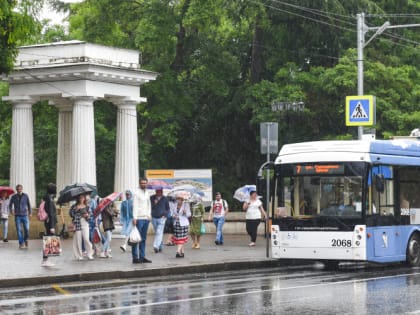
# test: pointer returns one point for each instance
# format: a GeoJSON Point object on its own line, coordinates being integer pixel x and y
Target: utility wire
{"type": "Point", "coordinates": [303, 16]}
{"type": "Point", "coordinates": [332, 25]}
{"type": "Point", "coordinates": [326, 14]}
{"type": "Point", "coordinates": [395, 15]}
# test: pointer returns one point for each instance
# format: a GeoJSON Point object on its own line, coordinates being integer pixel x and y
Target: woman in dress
{"type": "Point", "coordinates": [197, 220]}
{"type": "Point", "coordinates": [180, 212]}
{"type": "Point", "coordinates": [254, 212]}
{"type": "Point", "coordinates": [79, 213]}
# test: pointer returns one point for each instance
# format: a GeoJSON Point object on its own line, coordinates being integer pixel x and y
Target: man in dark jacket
{"type": "Point", "coordinates": [20, 207]}
{"type": "Point", "coordinates": [160, 211]}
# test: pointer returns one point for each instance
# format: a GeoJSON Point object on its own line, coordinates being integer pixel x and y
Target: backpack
{"type": "Point", "coordinates": [42, 214]}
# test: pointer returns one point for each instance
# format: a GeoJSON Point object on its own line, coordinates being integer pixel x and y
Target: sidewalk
{"type": "Point", "coordinates": [23, 267]}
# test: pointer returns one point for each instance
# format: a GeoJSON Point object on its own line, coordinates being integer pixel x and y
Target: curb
{"type": "Point", "coordinates": [143, 273]}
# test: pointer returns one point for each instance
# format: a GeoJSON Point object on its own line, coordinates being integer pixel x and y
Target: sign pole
{"type": "Point", "coordinates": [269, 135]}
{"type": "Point", "coordinates": [267, 207]}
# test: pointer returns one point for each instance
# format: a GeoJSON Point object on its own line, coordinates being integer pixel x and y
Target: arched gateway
{"type": "Point", "coordinates": [71, 76]}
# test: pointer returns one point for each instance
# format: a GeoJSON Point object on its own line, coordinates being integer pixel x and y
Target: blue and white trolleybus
{"type": "Point", "coordinates": [348, 201]}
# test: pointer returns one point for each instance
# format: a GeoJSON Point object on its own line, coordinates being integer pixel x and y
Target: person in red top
{"type": "Point", "coordinates": [218, 210]}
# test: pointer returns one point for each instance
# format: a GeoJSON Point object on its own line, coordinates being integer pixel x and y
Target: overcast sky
{"type": "Point", "coordinates": [56, 18]}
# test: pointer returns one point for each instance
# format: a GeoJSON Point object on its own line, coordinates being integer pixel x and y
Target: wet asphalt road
{"type": "Point", "coordinates": [359, 289]}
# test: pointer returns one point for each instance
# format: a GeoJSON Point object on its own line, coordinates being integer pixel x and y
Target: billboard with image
{"type": "Point", "coordinates": [194, 180]}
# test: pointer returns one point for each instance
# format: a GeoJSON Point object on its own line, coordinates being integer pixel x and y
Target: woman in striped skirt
{"type": "Point", "coordinates": [180, 211]}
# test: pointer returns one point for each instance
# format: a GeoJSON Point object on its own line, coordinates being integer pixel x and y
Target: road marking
{"type": "Point", "coordinates": [120, 308]}
{"type": "Point", "coordinates": [59, 289]}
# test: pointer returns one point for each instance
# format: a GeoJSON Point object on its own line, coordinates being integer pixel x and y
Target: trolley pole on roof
{"type": "Point", "coordinates": [362, 29]}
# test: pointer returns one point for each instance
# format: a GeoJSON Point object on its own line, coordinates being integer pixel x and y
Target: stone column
{"type": "Point", "coordinates": [126, 153]}
{"type": "Point", "coordinates": [64, 149]}
{"type": "Point", "coordinates": [22, 170]}
{"type": "Point", "coordinates": [83, 142]}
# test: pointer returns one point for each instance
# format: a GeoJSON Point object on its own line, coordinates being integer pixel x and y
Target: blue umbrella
{"type": "Point", "coordinates": [242, 193]}
{"type": "Point", "coordinates": [188, 188]}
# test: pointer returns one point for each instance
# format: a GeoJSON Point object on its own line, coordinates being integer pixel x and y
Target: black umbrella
{"type": "Point", "coordinates": [71, 192]}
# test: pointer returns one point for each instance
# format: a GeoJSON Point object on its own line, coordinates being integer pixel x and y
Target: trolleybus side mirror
{"type": "Point", "coordinates": [380, 183]}
{"type": "Point", "coordinates": [261, 185]}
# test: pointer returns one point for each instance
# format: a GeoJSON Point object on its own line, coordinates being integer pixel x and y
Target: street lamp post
{"type": "Point", "coordinates": [362, 29]}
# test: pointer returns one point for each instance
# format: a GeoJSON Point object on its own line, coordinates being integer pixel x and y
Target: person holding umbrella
{"type": "Point", "coordinates": [79, 213]}
{"type": "Point", "coordinates": [181, 213]}
{"type": "Point", "coordinates": [108, 215]}
{"type": "Point", "coordinates": [254, 212]}
{"type": "Point", "coordinates": [4, 210]}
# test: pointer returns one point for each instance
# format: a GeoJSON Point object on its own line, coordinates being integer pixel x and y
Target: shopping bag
{"type": "Point", "coordinates": [97, 236]}
{"type": "Point", "coordinates": [135, 237]}
{"type": "Point", "coordinates": [203, 228]}
{"type": "Point", "coordinates": [51, 245]}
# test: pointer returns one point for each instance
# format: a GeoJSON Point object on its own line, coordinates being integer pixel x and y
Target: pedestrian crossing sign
{"type": "Point", "coordinates": [360, 110]}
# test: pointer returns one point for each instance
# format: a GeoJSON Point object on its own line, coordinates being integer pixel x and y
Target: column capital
{"type": "Point", "coordinates": [83, 100]}
{"type": "Point", "coordinates": [123, 102]}
{"type": "Point", "coordinates": [63, 104]}
{"type": "Point", "coordinates": [22, 101]}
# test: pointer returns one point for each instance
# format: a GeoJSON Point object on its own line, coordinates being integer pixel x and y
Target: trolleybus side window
{"type": "Point", "coordinates": [381, 196]}
{"type": "Point", "coordinates": [409, 194]}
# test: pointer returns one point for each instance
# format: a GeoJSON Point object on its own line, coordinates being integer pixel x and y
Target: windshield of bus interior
{"type": "Point", "coordinates": [332, 189]}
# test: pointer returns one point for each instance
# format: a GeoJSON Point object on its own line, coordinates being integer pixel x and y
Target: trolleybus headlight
{"type": "Point", "coordinates": [359, 237]}
{"type": "Point", "coordinates": [357, 243]}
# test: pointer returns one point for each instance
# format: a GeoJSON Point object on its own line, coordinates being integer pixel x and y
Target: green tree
{"type": "Point", "coordinates": [17, 22]}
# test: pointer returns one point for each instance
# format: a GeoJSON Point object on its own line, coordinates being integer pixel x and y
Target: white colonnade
{"type": "Point", "coordinates": [126, 153]}
{"type": "Point", "coordinates": [71, 76]}
{"type": "Point", "coordinates": [22, 169]}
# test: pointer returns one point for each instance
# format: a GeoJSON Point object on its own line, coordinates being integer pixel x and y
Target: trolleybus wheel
{"type": "Point", "coordinates": [331, 265]}
{"type": "Point", "coordinates": [413, 250]}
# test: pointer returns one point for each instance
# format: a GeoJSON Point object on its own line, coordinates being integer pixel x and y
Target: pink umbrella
{"type": "Point", "coordinates": [158, 184]}
{"type": "Point", "coordinates": [7, 189]}
{"type": "Point", "coordinates": [106, 202]}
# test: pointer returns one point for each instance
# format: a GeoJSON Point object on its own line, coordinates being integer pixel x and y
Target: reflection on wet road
{"type": "Point", "coordinates": [309, 290]}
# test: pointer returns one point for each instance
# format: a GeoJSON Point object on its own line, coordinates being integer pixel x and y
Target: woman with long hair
{"type": "Point", "coordinates": [79, 213]}
{"type": "Point", "coordinates": [51, 221]}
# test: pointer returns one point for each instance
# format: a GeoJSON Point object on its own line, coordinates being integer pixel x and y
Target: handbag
{"type": "Point", "coordinates": [203, 228]}
{"type": "Point", "coordinates": [134, 237]}
{"type": "Point", "coordinates": [97, 236]}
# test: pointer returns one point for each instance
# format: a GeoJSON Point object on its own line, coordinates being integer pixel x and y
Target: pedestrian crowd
{"type": "Point", "coordinates": [177, 216]}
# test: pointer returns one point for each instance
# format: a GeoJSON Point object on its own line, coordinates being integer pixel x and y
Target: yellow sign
{"type": "Point", "coordinates": [160, 173]}
{"type": "Point", "coordinates": [360, 110]}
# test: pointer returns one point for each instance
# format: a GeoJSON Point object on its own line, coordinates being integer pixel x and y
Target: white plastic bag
{"type": "Point", "coordinates": [135, 237]}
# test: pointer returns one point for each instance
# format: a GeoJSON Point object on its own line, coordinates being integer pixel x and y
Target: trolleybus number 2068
{"type": "Point", "coordinates": [340, 243]}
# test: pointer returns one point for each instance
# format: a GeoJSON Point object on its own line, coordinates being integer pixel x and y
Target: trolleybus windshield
{"type": "Point", "coordinates": [315, 190]}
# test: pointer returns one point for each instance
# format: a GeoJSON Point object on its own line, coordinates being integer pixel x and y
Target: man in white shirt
{"type": "Point", "coordinates": [218, 210]}
{"type": "Point", "coordinates": [142, 212]}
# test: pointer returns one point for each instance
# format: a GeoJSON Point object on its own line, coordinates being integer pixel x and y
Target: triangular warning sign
{"type": "Point", "coordinates": [359, 111]}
